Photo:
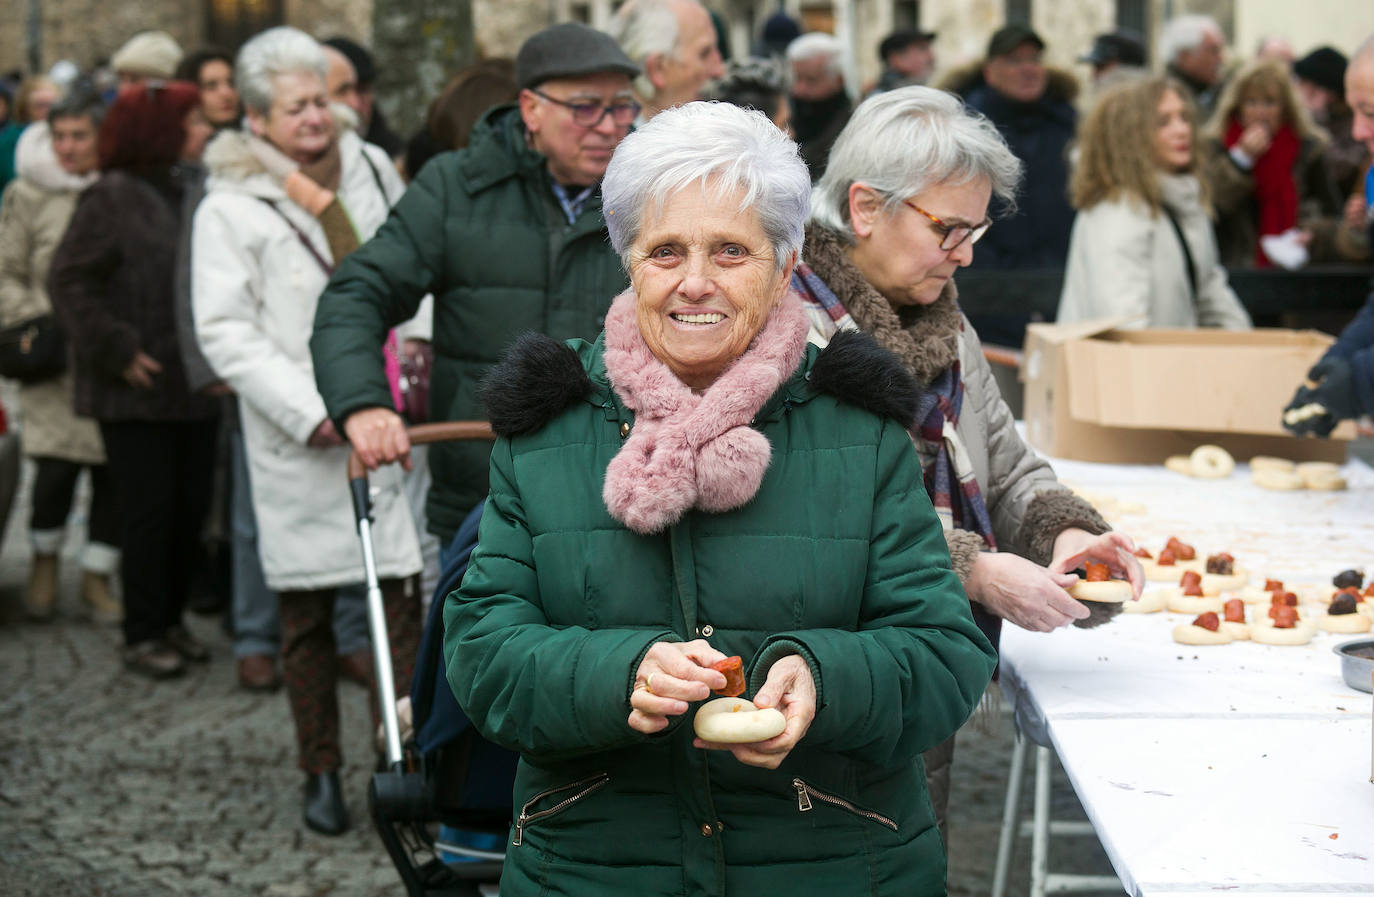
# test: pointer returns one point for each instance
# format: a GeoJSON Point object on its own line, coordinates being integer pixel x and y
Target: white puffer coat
{"type": "Point", "coordinates": [254, 288]}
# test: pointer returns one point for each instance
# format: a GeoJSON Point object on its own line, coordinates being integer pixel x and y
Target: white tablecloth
{"type": "Point", "coordinates": [1242, 768]}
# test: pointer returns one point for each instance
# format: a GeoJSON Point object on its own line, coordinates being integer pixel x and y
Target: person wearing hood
{"type": "Point", "coordinates": [820, 104]}
{"type": "Point", "coordinates": [286, 201]}
{"type": "Point", "coordinates": [53, 169]}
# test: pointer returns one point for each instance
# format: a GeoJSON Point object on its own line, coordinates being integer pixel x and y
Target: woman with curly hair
{"type": "Point", "coordinates": [1263, 163]}
{"type": "Point", "coordinates": [1142, 245]}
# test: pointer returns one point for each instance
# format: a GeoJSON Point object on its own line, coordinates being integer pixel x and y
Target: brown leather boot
{"type": "Point", "coordinates": [101, 604]}
{"type": "Point", "coordinates": [41, 597]}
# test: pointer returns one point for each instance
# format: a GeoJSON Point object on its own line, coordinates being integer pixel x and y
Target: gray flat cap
{"type": "Point", "coordinates": [569, 50]}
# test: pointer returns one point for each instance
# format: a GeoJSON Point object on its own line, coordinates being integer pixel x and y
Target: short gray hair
{"type": "Point", "coordinates": [719, 146]}
{"type": "Point", "coordinates": [818, 45]}
{"type": "Point", "coordinates": [1186, 33]}
{"type": "Point", "coordinates": [1364, 51]}
{"type": "Point", "coordinates": [78, 103]}
{"type": "Point", "coordinates": [905, 141]}
{"type": "Point", "coordinates": [276, 51]}
{"type": "Point", "coordinates": [643, 28]}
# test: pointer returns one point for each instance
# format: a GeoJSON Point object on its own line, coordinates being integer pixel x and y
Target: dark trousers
{"type": "Point", "coordinates": [54, 486]}
{"type": "Point", "coordinates": [162, 471]}
{"type": "Point", "coordinates": [311, 671]}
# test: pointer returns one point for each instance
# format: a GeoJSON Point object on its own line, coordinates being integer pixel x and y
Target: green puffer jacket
{"type": "Point", "coordinates": [482, 230]}
{"type": "Point", "coordinates": [839, 558]}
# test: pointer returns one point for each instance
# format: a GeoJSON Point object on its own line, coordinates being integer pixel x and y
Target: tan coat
{"type": "Point", "coordinates": [33, 218]}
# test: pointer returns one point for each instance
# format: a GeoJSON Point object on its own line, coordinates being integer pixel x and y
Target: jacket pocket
{"type": "Point", "coordinates": [806, 794]}
{"type": "Point", "coordinates": [562, 797]}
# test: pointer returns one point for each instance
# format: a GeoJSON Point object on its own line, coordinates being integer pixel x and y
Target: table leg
{"type": "Point", "coordinates": [1040, 835]}
{"type": "Point", "coordinates": [1010, 809]}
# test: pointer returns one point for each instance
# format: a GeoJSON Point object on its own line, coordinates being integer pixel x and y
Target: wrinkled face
{"type": "Point", "coordinates": [812, 79]}
{"type": "Point", "coordinates": [1359, 95]}
{"type": "Point", "coordinates": [40, 101]}
{"type": "Point", "coordinates": [705, 280]}
{"type": "Point", "coordinates": [1173, 133]}
{"type": "Point", "coordinates": [1261, 108]}
{"type": "Point", "coordinates": [916, 61]}
{"type": "Point", "coordinates": [342, 83]}
{"type": "Point", "coordinates": [298, 122]}
{"type": "Point", "coordinates": [898, 250]}
{"type": "Point", "coordinates": [1019, 75]}
{"type": "Point", "coordinates": [577, 155]}
{"type": "Point", "coordinates": [73, 139]}
{"type": "Point", "coordinates": [1203, 62]}
{"type": "Point", "coordinates": [218, 98]}
{"type": "Point", "coordinates": [198, 133]}
{"type": "Point", "coordinates": [678, 76]}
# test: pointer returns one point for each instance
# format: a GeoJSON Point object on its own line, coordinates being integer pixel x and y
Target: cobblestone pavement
{"type": "Point", "coordinates": [113, 786]}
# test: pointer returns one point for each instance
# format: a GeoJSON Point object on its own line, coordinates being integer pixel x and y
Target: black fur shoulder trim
{"type": "Point", "coordinates": [856, 369]}
{"type": "Point", "coordinates": [532, 383]}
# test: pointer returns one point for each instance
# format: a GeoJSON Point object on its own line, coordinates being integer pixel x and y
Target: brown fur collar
{"type": "Point", "coordinates": [925, 338]}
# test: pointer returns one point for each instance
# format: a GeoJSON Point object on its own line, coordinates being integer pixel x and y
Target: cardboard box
{"type": "Point", "coordinates": [1097, 393]}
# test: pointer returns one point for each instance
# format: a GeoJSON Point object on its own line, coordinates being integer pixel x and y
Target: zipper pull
{"type": "Point", "coordinates": [803, 799]}
{"type": "Point", "coordinates": [519, 831]}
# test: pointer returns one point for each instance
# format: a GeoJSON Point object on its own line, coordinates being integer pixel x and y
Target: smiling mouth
{"type": "Point", "coordinates": [712, 318]}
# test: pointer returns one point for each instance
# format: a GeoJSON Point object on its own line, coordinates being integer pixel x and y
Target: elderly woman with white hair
{"type": "Point", "coordinates": [898, 212]}
{"type": "Point", "coordinates": [286, 200]}
{"type": "Point", "coordinates": [702, 502]}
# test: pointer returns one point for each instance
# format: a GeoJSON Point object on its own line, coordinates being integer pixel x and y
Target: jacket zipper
{"type": "Point", "coordinates": [805, 792]}
{"type": "Point", "coordinates": [586, 786]}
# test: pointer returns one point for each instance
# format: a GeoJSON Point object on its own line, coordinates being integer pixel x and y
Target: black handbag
{"type": "Point", "coordinates": [34, 350]}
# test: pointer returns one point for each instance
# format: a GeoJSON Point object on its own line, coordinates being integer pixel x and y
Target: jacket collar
{"type": "Point", "coordinates": [35, 162]}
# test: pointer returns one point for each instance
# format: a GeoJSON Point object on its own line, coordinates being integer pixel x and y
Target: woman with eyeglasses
{"type": "Point", "coordinates": [898, 211]}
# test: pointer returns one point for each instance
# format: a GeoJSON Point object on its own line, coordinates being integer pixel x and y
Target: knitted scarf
{"type": "Point", "coordinates": [691, 450]}
{"type": "Point", "coordinates": [1276, 193]}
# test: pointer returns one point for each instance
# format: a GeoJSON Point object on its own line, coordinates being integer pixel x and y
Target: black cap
{"type": "Point", "coordinates": [1009, 37]}
{"type": "Point", "coordinates": [898, 41]}
{"type": "Point", "coordinates": [569, 50]}
{"type": "Point", "coordinates": [363, 66]}
{"type": "Point", "coordinates": [1324, 67]}
{"type": "Point", "coordinates": [1123, 47]}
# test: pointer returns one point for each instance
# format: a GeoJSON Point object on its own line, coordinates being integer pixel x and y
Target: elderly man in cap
{"type": "Point", "coordinates": [908, 57]}
{"type": "Point", "coordinates": [1115, 56]}
{"type": "Point", "coordinates": [508, 236]}
{"type": "Point", "coordinates": [674, 42]}
{"type": "Point", "coordinates": [1320, 79]}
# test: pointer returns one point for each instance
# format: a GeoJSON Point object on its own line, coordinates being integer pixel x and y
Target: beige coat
{"type": "Point", "coordinates": [1126, 261]}
{"type": "Point", "coordinates": [33, 218]}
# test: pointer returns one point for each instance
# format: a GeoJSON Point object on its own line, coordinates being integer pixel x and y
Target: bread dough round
{"type": "Point", "coordinates": [1214, 583]}
{"type": "Point", "coordinates": [1276, 480]}
{"type": "Point", "coordinates": [1188, 634]}
{"type": "Point", "coordinates": [1268, 462]}
{"type": "Point", "coordinates": [1170, 573]}
{"type": "Point", "coordinates": [1211, 462]}
{"type": "Point", "coordinates": [1266, 633]}
{"type": "Point", "coordinates": [1324, 482]}
{"type": "Point", "coordinates": [1239, 631]}
{"type": "Point", "coordinates": [1257, 594]}
{"type": "Point", "coordinates": [1179, 464]}
{"type": "Point", "coordinates": [1179, 603]}
{"type": "Point", "coordinates": [1318, 469]}
{"type": "Point", "coordinates": [1112, 591]}
{"type": "Point", "coordinates": [1151, 602]}
{"type": "Point", "coordinates": [1345, 624]}
{"type": "Point", "coordinates": [737, 721]}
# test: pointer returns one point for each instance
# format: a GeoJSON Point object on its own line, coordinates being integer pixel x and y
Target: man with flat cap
{"type": "Point", "coordinates": [508, 236]}
{"type": "Point", "coordinates": [908, 57]}
{"type": "Point", "coordinates": [1114, 56]}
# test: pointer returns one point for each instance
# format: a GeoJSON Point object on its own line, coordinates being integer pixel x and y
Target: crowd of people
{"type": "Point", "coordinates": [728, 309]}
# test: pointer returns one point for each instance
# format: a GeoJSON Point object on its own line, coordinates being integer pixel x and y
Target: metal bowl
{"type": "Point", "coordinates": [1354, 669]}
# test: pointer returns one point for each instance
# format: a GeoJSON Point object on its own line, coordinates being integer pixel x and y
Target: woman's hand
{"type": "Point", "coordinates": [1023, 592]}
{"type": "Point", "coordinates": [792, 691]}
{"type": "Point", "coordinates": [1255, 140]}
{"type": "Point", "coordinates": [141, 371]}
{"type": "Point", "coordinates": [1073, 547]}
{"type": "Point", "coordinates": [379, 437]}
{"type": "Point", "coordinates": [671, 675]}
{"type": "Point", "coordinates": [325, 436]}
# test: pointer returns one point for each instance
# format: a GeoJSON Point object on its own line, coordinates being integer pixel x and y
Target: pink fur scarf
{"type": "Point", "coordinates": [687, 450]}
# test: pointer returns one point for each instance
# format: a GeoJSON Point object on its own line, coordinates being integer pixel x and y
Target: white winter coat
{"type": "Point", "coordinates": [1126, 261]}
{"type": "Point", "coordinates": [254, 287]}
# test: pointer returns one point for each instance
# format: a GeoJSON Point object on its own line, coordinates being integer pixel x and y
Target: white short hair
{"type": "Point", "coordinates": [818, 45]}
{"type": "Point", "coordinates": [276, 51]}
{"type": "Point", "coordinates": [721, 147]}
{"type": "Point", "coordinates": [903, 142]}
{"type": "Point", "coordinates": [643, 28]}
{"type": "Point", "coordinates": [1186, 33]}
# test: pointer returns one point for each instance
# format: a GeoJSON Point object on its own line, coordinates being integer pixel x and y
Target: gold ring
{"type": "Point", "coordinates": [649, 683]}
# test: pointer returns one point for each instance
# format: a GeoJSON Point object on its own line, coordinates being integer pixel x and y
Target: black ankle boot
{"type": "Point", "coordinates": [324, 805]}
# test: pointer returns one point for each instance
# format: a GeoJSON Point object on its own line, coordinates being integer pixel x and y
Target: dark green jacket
{"type": "Point", "coordinates": [482, 231]}
{"type": "Point", "coordinates": [839, 558]}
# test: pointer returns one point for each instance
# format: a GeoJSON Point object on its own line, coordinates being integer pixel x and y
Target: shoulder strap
{"type": "Point", "coordinates": [300, 235]}
{"type": "Point", "coordinates": [1187, 253]}
{"type": "Point", "coordinates": [376, 176]}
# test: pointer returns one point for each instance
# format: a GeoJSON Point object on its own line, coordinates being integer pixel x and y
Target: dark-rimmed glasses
{"type": "Point", "coordinates": [589, 114]}
{"type": "Point", "coordinates": [952, 236]}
